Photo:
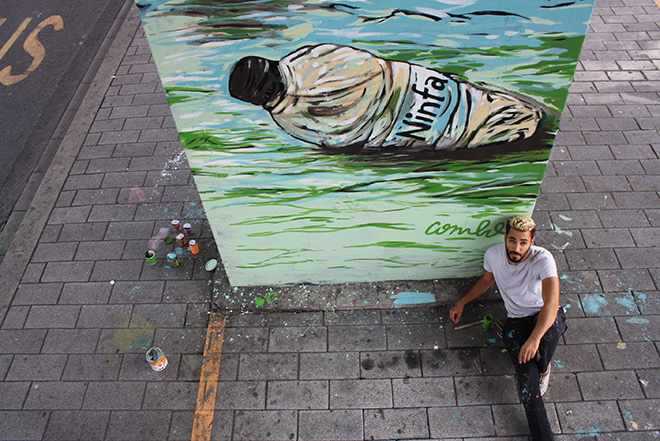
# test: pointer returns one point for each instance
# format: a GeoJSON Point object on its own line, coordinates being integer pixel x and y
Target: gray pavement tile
{"type": "Point", "coordinates": [648, 302]}
{"type": "Point", "coordinates": [623, 218]}
{"type": "Point", "coordinates": [510, 420]}
{"type": "Point", "coordinates": [321, 425]}
{"type": "Point", "coordinates": [592, 330]}
{"type": "Point", "coordinates": [645, 328]}
{"type": "Point", "coordinates": [329, 365]}
{"type": "Point", "coordinates": [36, 368]}
{"type": "Point", "coordinates": [16, 342]}
{"type": "Point", "coordinates": [67, 272]}
{"type": "Point", "coordinates": [563, 388]}
{"type": "Point", "coordinates": [12, 394]}
{"type": "Point", "coordinates": [70, 341]}
{"type": "Point", "coordinates": [80, 182]}
{"type": "Point", "coordinates": [241, 395]}
{"type": "Point", "coordinates": [265, 424]}
{"type": "Point", "coordinates": [105, 316]}
{"type": "Point", "coordinates": [245, 340]}
{"type": "Point", "coordinates": [638, 257]}
{"type": "Point", "coordinates": [51, 252]}
{"type": "Point", "coordinates": [610, 385]}
{"type": "Point", "coordinates": [161, 315]}
{"type": "Point", "coordinates": [626, 279]}
{"type": "Point", "coordinates": [134, 149]}
{"type": "Point", "coordinates": [69, 215]}
{"type": "Point", "coordinates": [114, 395]}
{"type": "Point", "coordinates": [396, 424]}
{"type": "Point", "coordinates": [621, 167]}
{"type": "Point", "coordinates": [629, 436]}
{"type": "Point", "coordinates": [268, 366]}
{"type": "Point", "coordinates": [646, 237]}
{"type": "Point", "coordinates": [640, 414]}
{"type": "Point", "coordinates": [360, 394]}
{"type": "Point", "coordinates": [83, 232]}
{"type": "Point", "coordinates": [357, 338]}
{"type": "Point", "coordinates": [454, 362]}
{"type": "Point", "coordinates": [105, 165]}
{"type": "Point", "coordinates": [181, 426]}
{"type": "Point", "coordinates": [416, 336]}
{"type": "Point", "coordinates": [137, 230]}
{"type": "Point", "coordinates": [5, 362]}
{"type": "Point", "coordinates": [175, 340]}
{"type": "Point", "coordinates": [160, 211]}
{"type": "Point", "coordinates": [122, 179]}
{"type": "Point", "coordinates": [37, 294]}
{"type": "Point", "coordinates": [23, 425]}
{"type": "Point", "coordinates": [300, 319]}
{"type": "Point", "coordinates": [52, 316]}
{"type": "Point", "coordinates": [569, 220]}
{"type": "Point", "coordinates": [576, 357]}
{"type": "Point", "coordinates": [68, 425]}
{"type": "Point", "coordinates": [33, 273]}
{"type": "Point", "coordinates": [591, 259]}
{"type": "Point", "coordinates": [96, 250]}
{"type": "Point", "coordinates": [495, 361]}
{"type": "Point", "coordinates": [650, 381]}
{"type": "Point", "coordinates": [601, 184]}
{"type": "Point", "coordinates": [423, 392]}
{"type": "Point", "coordinates": [492, 389]}
{"type": "Point", "coordinates": [462, 421]}
{"type": "Point", "coordinates": [591, 201]}
{"type": "Point", "coordinates": [163, 271]}
{"type": "Point", "coordinates": [170, 395]}
{"type": "Point", "coordinates": [390, 364]}
{"type": "Point", "coordinates": [589, 416]}
{"type": "Point", "coordinates": [127, 425]}
{"type": "Point", "coordinates": [409, 316]}
{"type": "Point", "coordinates": [305, 395]}
{"type": "Point", "coordinates": [92, 367]}
{"type": "Point", "coordinates": [598, 305]}
{"type": "Point", "coordinates": [114, 212]}
{"type": "Point", "coordinates": [85, 293]}
{"type": "Point", "coordinates": [185, 291]}
{"type": "Point", "coordinates": [55, 395]}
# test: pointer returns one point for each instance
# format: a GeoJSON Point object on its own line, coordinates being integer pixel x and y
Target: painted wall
{"type": "Point", "coordinates": [379, 143]}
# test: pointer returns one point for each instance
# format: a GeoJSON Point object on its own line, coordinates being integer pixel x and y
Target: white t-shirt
{"type": "Point", "coordinates": [520, 285]}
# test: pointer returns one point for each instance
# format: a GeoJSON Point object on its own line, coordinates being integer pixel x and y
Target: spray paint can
{"type": "Point", "coordinates": [156, 359]}
{"type": "Point", "coordinates": [176, 225]}
{"type": "Point", "coordinates": [488, 320]}
{"type": "Point", "coordinates": [194, 248]}
{"type": "Point", "coordinates": [173, 259]}
{"type": "Point", "coordinates": [181, 239]}
{"type": "Point", "coordinates": [151, 257]}
{"type": "Point", "coordinates": [187, 228]}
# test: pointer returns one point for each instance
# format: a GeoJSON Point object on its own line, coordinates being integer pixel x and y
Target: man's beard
{"type": "Point", "coordinates": [515, 257]}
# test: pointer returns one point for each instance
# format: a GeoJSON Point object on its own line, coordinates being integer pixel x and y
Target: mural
{"type": "Point", "coordinates": [357, 141]}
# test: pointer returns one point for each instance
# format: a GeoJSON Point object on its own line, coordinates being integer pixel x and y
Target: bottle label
{"type": "Point", "coordinates": [429, 106]}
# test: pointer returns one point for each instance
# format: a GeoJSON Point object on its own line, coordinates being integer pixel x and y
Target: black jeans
{"type": "Point", "coordinates": [515, 333]}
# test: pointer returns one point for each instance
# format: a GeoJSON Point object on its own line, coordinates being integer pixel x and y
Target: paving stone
{"type": "Point", "coordinates": [598, 305]}
{"type": "Point", "coordinates": [105, 316]}
{"type": "Point", "coordinates": [390, 364]}
{"type": "Point", "coordinates": [101, 250]}
{"type": "Point", "coordinates": [80, 182]}
{"type": "Point", "coordinates": [67, 272]}
{"type": "Point", "coordinates": [176, 340]}
{"type": "Point", "coordinates": [245, 339]}
{"type": "Point", "coordinates": [70, 341]}
{"type": "Point", "coordinates": [416, 336]}
{"type": "Point", "coordinates": [241, 395]}
{"type": "Point", "coordinates": [55, 395]}
{"type": "Point", "coordinates": [69, 215]}
{"type": "Point", "coordinates": [623, 218]}
{"type": "Point", "coordinates": [172, 315]}
{"type": "Point", "coordinates": [640, 414]}
{"type": "Point", "coordinates": [268, 366]}
{"type": "Point", "coordinates": [114, 212]}
{"type": "Point", "coordinates": [360, 394]}
{"type": "Point", "coordinates": [36, 368]}
{"type": "Point", "coordinates": [15, 317]}
{"type": "Point", "coordinates": [649, 304]}
{"type": "Point", "coordinates": [486, 390]}
{"type": "Point", "coordinates": [626, 279]}
{"type": "Point", "coordinates": [321, 425]}
{"type": "Point", "coordinates": [510, 420]}
{"type": "Point", "coordinates": [610, 385]}
{"type": "Point", "coordinates": [52, 316]}
{"type": "Point", "coordinates": [650, 381]}
{"type": "Point", "coordinates": [563, 388]}
{"type": "Point", "coordinates": [114, 395]}
{"type": "Point", "coordinates": [423, 392]}
{"type": "Point", "coordinates": [83, 232]}
{"type": "Point", "coordinates": [171, 395]}
{"type": "Point", "coordinates": [92, 367]}
{"type": "Point", "coordinates": [23, 425]}
{"type": "Point", "coordinates": [12, 394]}
{"type": "Point", "coordinates": [592, 259]}
{"type": "Point", "coordinates": [355, 338]}
{"type": "Point", "coordinates": [639, 328]}
{"type": "Point", "coordinates": [298, 339]}
{"type": "Point", "coordinates": [50, 252]}
{"type": "Point", "coordinates": [592, 330]}
{"type": "Point", "coordinates": [396, 423]}
{"type": "Point", "coordinates": [583, 417]}
{"type": "Point", "coordinates": [66, 425]}
{"type": "Point", "coordinates": [275, 424]}
{"type": "Point", "coordinates": [297, 395]}
{"type": "Point", "coordinates": [461, 422]}
{"type": "Point", "coordinates": [329, 365]}
{"type": "Point", "coordinates": [37, 294]}
{"type": "Point", "coordinates": [185, 290]}
{"type": "Point", "coordinates": [85, 293]}
{"type": "Point", "coordinates": [130, 425]}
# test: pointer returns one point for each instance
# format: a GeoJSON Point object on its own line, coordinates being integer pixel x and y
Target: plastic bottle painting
{"type": "Point", "coordinates": [364, 141]}
{"type": "Point", "coordinates": [339, 96]}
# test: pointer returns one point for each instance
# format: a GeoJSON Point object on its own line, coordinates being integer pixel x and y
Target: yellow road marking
{"type": "Point", "coordinates": [208, 381]}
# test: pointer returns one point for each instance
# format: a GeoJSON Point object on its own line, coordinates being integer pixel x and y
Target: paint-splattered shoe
{"type": "Point", "coordinates": [544, 381]}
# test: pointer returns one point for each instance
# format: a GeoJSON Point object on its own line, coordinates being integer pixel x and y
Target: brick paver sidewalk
{"type": "Point", "coordinates": [84, 305]}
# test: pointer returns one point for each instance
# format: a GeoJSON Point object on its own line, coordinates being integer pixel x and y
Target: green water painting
{"type": "Point", "coordinates": [359, 141]}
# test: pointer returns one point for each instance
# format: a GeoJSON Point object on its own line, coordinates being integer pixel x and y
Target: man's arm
{"type": "Point", "coordinates": [477, 290]}
{"type": "Point", "coordinates": [547, 317]}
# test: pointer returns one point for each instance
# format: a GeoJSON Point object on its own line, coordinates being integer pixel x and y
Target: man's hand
{"type": "Point", "coordinates": [528, 350]}
{"type": "Point", "coordinates": [456, 312]}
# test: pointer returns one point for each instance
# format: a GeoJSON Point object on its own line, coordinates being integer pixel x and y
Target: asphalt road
{"type": "Point", "coordinates": [45, 50]}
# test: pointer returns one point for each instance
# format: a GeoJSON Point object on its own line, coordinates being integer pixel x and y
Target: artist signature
{"type": "Point", "coordinates": [484, 229]}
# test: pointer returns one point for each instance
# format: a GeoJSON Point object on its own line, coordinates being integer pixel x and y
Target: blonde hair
{"type": "Point", "coordinates": [522, 224]}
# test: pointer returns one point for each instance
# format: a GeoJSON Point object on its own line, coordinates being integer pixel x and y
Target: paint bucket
{"type": "Point", "coordinates": [156, 359]}
{"type": "Point", "coordinates": [151, 257]}
{"type": "Point", "coordinates": [488, 320]}
{"type": "Point", "coordinates": [181, 240]}
{"type": "Point", "coordinates": [176, 225]}
{"type": "Point", "coordinates": [168, 240]}
{"type": "Point", "coordinates": [211, 265]}
{"type": "Point", "coordinates": [194, 248]}
{"type": "Point", "coordinates": [187, 228]}
{"type": "Point", "coordinates": [173, 259]}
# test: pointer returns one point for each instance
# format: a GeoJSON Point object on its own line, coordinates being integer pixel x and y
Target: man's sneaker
{"type": "Point", "coordinates": [544, 381]}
